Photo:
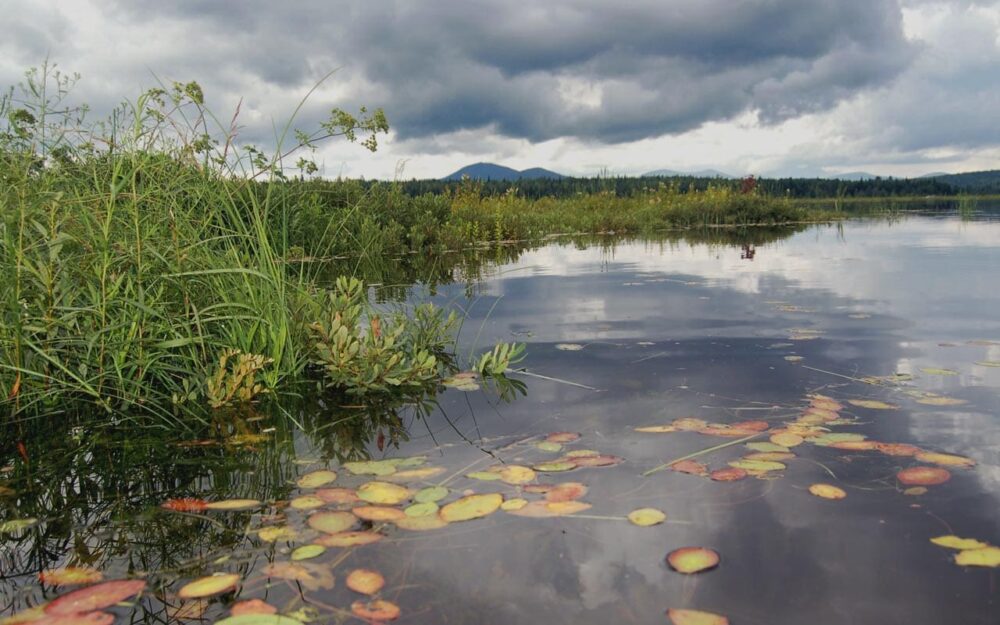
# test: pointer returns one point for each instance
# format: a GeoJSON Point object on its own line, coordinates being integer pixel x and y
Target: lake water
{"type": "Point", "coordinates": [627, 334]}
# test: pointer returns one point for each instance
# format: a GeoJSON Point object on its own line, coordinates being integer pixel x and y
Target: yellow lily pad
{"type": "Point", "coordinates": [421, 523]}
{"type": "Point", "coordinates": [421, 509]}
{"type": "Point", "coordinates": [695, 617]}
{"type": "Point", "coordinates": [514, 474]}
{"type": "Point", "coordinates": [307, 552]}
{"type": "Point", "coordinates": [349, 539]}
{"type": "Point", "coordinates": [208, 586]}
{"type": "Point", "coordinates": [316, 479]}
{"type": "Point", "coordinates": [233, 504]}
{"type": "Point", "coordinates": [656, 429]}
{"type": "Point", "coordinates": [431, 493]}
{"type": "Point", "coordinates": [307, 502]}
{"type": "Point", "coordinates": [644, 517]}
{"type": "Point", "coordinates": [510, 505]}
{"type": "Point", "coordinates": [872, 404]}
{"type": "Point", "coordinates": [786, 439]}
{"type": "Point", "coordinates": [383, 493]}
{"type": "Point", "coordinates": [471, 507]}
{"type": "Point", "coordinates": [827, 491]}
{"type": "Point", "coordinates": [274, 533]}
{"type": "Point", "coordinates": [945, 460]}
{"type": "Point", "coordinates": [691, 560]}
{"type": "Point", "coordinates": [332, 522]}
{"type": "Point", "coordinates": [760, 466]}
{"type": "Point", "coordinates": [936, 371]}
{"type": "Point", "coordinates": [365, 581]}
{"type": "Point", "coordinates": [962, 544]}
{"type": "Point", "coordinates": [987, 556]}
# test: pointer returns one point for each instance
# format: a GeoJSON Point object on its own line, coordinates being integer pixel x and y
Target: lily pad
{"type": "Point", "coordinates": [872, 404]}
{"type": "Point", "coordinates": [351, 539]}
{"type": "Point", "coordinates": [554, 467]}
{"type": "Point", "coordinates": [316, 479]}
{"type": "Point", "coordinates": [946, 460]}
{"type": "Point", "coordinates": [691, 560]}
{"type": "Point", "coordinates": [414, 475]}
{"type": "Point", "coordinates": [209, 586]}
{"type": "Point", "coordinates": [70, 576]}
{"type": "Point", "coordinates": [937, 371]}
{"type": "Point", "coordinates": [786, 439]}
{"type": "Point", "coordinates": [695, 617]}
{"type": "Point", "coordinates": [766, 447]}
{"type": "Point", "coordinates": [923, 476]}
{"type": "Point", "coordinates": [548, 446]}
{"type": "Point", "coordinates": [732, 474]}
{"type": "Point", "coordinates": [365, 581]}
{"type": "Point", "coordinates": [378, 514]}
{"type": "Point", "coordinates": [516, 475]}
{"type": "Point", "coordinates": [690, 467]}
{"type": "Point", "coordinates": [509, 505]}
{"type": "Point", "coordinates": [562, 437]}
{"type": "Point", "coordinates": [548, 509]}
{"type": "Point", "coordinates": [377, 610]}
{"type": "Point", "coordinates": [307, 502]}
{"type": "Point", "coordinates": [962, 544]}
{"type": "Point", "coordinates": [987, 556]}
{"type": "Point", "coordinates": [274, 533]}
{"type": "Point", "coordinates": [757, 466]}
{"type": "Point", "coordinates": [307, 552]}
{"type": "Point", "coordinates": [827, 491]}
{"type": "Point", "coordinates": [372, 467]}
{"type": "Point", "coordinates": [569, 347]}
{"type": "Point", "coordinates": [421, 523]}
{"type": "Point", "coordinates": [233, 504]}
{"type": "Point", "coordinates": [421, 509]}
{"type": "Point", "coordinates": [645, 517]}
{"type": "Point", "coordinates": [656, 429]}
{"type": "Point", "coordinates": [431, 493]}
{"type": "Point", "coordinates": [312, 576]}
{"type": "Point", "coordinates": [471, 507]}
{"type": "Point", "coordinates": [252, 606]}
{"type": "Point", "coordinates": [259, 619]}
{"type": "Point", "coordinates": [383, 493]}
{"type": "Point", "coordinates": [484, 476]}
{"type": "Point", "coordinates": [567, 491]}
{"type": "Point", "coordinates": [338, 495]}
{"type": "Point", "coordinates": [332, 522]}
{"type": "Point", "coordinates": [939, 400]}
{"type": "Point", "coordinates": [96, 597]}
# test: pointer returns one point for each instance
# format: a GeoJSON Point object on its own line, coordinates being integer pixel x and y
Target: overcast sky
{"type": "Point", "coordinates": [789, 87]}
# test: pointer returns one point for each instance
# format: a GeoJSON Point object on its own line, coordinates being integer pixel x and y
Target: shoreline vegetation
{"type": "Point", "coordinates": [155, 267]}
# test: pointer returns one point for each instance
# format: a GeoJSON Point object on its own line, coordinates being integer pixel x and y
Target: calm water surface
{"type": "Point", "coordinates": [631, 334]}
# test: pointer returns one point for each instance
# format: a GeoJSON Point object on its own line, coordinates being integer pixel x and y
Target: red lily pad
{"type": "Point", "coordinates": [732, 474]}
{"type": "Point", "coordinates": [923, 476]}
{"type": "Point", "coordinates": [94, 598]}
{"type": "Point", "coordinates": [185, 504]}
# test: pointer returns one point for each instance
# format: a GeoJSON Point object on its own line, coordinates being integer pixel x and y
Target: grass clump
{"type": "Point", "coordinates": [146, 266]}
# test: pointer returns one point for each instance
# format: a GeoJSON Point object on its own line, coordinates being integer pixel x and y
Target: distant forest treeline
{"type": "Point", "coordinates": [978, 182]}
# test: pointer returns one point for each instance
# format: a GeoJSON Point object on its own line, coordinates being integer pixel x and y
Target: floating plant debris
{"type": "Point", "coordinates": [691, 560]}
{"type": "Point", "coordinates": [644, 517]}
{"type": "Point", "coordinates": [695, 617]}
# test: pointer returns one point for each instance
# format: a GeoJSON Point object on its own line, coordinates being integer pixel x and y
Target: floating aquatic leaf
{"type": "Point", "coordinates": [431, 493]}
{"type": "Point", "coordinates": [421, 509]}
{"type": "Point", "coordinates": [569, 347]}
{"type": "Point", "coordinates": [656, 429]}
{"type": "Point", "coordinates": [988, 363]}
{"type": "Point", "coordinates": [689, 424]}
{"type": "Point", "coordinates": [546, 509]}
{"type": "Point", "coordinates": [946, 460]}
{"type": "Point", "coordinates": [562, 437]}
{"type": "Point", "coordinates": [732, 474]}
{"type": "Point", "coordinates": [690, 467]}
{"type": "Point", "coordinates": [986, 556]}
{"type": "Point", "coordinates": [644, 517]}
{"type": "Point", "coordinates": [208, 586]}
{"type": "Point", "coordinates": [307, 552]}
{"type": "Point", "coordinates": [872, 404]}
{"type": "Point", "coordinates": [690, 560]}
{"type": "Point", "coordinates": [316, 479]}
{"type": "Point", "coordinates": [252, 606]}
{"type": "Point", "coordinates": [915, 491]}
{"type": "Point", "coordinates": [754, 466]}
{"type": "Point", "coordinates": [923, 476]}
{"type": "Point", "coordinates": [793, 358]}
{"type": "Point", "coordinates": [954, 542]}
{"type": "Point", "coordinates": [827, 491]}
{"type": "Point", "coordinates": [312, 576]}
{"type": "Point", "coordinates": [831, 438]}
{"type": "Point", "coordinates": [554, 467]}
{"type": "Point", "coordinates": [510, 505]}
{"type": "Point", "coordinates": [377, 610]}
{"type": "Point", "coordinates": [897, 449]}
{"type": "Point", "coordinates": [274, 533]}
{"type": "Point", "coordinates": [259, 619]}
{"type": "Point", "coordinates": [421, 523]}
{"type": "Point", "coordinates": [936, 371]}
{"type": "Point", "coordinates": [581, 453]}
{"type": "Point", "coordinates": [548, 446]}
{"type": "Point", "coordinates": [413, 475]}
{"type": "Point", "coordinates": [372, 467]}
{"type": "Point", "coordinates": [233, 504]}
{"type": "Point", "coordinates": [307, 502]}
{"type": "Point", "coordinates": [786, 439]}
{"type": "Point", "coordinates": [820, 415]}
{"type": "Point", "coordinates": [471, 507]}
{"type": "Point", "coordinates": [70, 575]}
{"type": "Point", "coordinates": [766, 447]}
{"type": "Point", "coordinates": [938, 400]}
{"type": "Point", "coordinates": [595, 461]}
{"type": "Point", "coordinates": [92, 598]}
{"type": "Point", "coordinates": [516, 475]}
{"type": "Point", "coordinates": [338, 495]}
{"type": "Point", "coordinates": [351, 539]}
{"type": "Point", "coordinates": [16, 525]}
{"type": "Point", "coordinates": [855, 445]}
{"type": "Point", "coordinates": [567, 491]}
{"type": "Point", "coordinates": [378, 514]}
{"type": "Point", "coordinates": [365, 581]}
{"type": "Point", "coordinates": [770, 456]}
{"type": "Point", "coordinates": [751, 426]}
{"type": "Point", "coordinates": [695, 617]}
{"type": "Point", "coordinates": [332, 522]}
{"type": "Point", "coordinates": [185, 504]}
{"type": "Point", "coordinates": [383, 493]}
{"type": "Point", "coordinates": [484, 476]}
{"type": "Point", "coordinates": [465, 381]}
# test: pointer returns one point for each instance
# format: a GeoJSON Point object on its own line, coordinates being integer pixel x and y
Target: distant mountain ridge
{"type": "Point", "coordinates": [492, 171]}
{"type": "Point", "coordinates": [670, 173]}
{"type": "Point", "coordinates": [981, 181]}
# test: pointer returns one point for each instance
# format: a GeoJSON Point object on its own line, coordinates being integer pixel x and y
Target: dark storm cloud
{"type": "Point", "coordinates": [610, 72]}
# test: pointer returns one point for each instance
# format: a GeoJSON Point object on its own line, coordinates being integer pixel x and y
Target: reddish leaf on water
{"type": "Point", "coordinates": [338, 495]}
{"type": "Point", "coordinates": [856, 445]}
{"type": "Point", "coordinates": [898, 449]}
{"type": "Point", "coordinates": [691, 560]}
{"type": "Point", "coordinates": [252, 606]}
{"type": "Point", "coordinates": [690, 467]}
{"type": "Point", "coordinates": [923, 476]}
{"type": "Point", "coordinates": [95, 597]}
{"type": "Point", "coordinates": [185, 504]}
{"type": "Point", "coordinates": [562, 437]}
{"type": "Point", "coordinates": [90, 618]}
{"type": "Point", "coordinates": [567, 491]}
{"type": "Point", "coordinates": [350, 539]}
{"type": "Point", "coordinates": [595, 461]}
{"type": "Point", "coordinates": [731, 474]}
{"type": "Point", "coordinates": [365, 581]}
{"type": "Point", "coordinates": [377, 610]}
{"type": "Point", "coordinates": [689, 424]}
{"type": "Point", "coordinates": [751, 426]}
